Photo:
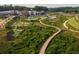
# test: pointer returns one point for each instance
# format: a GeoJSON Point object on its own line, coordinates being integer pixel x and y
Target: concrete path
{"type": "Point", "coordinates": [45, 45]}
{"type": "Point", "coordinates": [64, 24]}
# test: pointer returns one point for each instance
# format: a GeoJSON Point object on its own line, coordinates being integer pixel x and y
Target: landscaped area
{"type": "Point", "coordinates": [28, 39]}
{"type": "Point", "coordinates": [29, 36]}
{"type": "Point", "coordinates": [64, 43]}
{"type": "Point", "coordinates": [39, 30]}
{"type": "Point", "coordinates": [73, 23]}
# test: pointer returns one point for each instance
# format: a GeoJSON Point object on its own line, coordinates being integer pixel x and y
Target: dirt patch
{"type": "Point", "coordinates": [1, 24]}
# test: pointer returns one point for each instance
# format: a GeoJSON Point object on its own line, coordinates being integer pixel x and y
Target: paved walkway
{"type": "Point", "coordinates": [45, 45]}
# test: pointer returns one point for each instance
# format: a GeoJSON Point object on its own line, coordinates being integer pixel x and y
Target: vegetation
{"type": "Point", "coordinates": [64, 43]}
{"type": "Point", "coordinates": [40, 8]}
{"type": "Point", "coordinates": [1, 17]}
{"type": "Point", "coordinates": [58, 21]}
{"type": "Point", "coordinates": [30, 39]}
{"type": "Point", "coordinates": [3, 41]}
{"type": "Point", "coordinates": [65, 9]}
{"type": "Point", "coordinates": [25, 35]}
{"type": "Point", "coordinates": [73, 24]}
{"type": "Point", "coordinates": [20, 8]}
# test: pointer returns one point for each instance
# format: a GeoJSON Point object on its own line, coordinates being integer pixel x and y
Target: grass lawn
{"type": "Point", "coordinates": [73, 23]}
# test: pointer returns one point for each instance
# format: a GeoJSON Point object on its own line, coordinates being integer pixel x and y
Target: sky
{"type": "Point", "coordinates": [39, 1]}
{"type": "Point", "coordinates": [48, 3]}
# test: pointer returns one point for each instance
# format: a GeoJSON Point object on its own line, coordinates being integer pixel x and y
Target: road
{"type": "Point", "coordinates": [45, 45]}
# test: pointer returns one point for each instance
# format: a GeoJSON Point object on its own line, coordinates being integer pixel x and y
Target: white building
{"type": "Point", "coordinates": [35, 13]}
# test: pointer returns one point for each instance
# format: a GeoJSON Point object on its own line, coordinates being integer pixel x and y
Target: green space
{"type": "Point", "coordinates": [28, 36]}
{"type": "Point", "coordinates": [73, 23]}
{"type": "Point", "coordinates": [58, 21]}
{"type": "Point", "coordinates": [23, 33]}
{"type": "Point", "coordinates": [64, 43]}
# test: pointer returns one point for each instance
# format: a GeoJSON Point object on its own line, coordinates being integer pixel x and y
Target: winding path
{"type": "Point", "coordinates": [43, 48]}
{"type": "Point", "coordinates": [64, 24]}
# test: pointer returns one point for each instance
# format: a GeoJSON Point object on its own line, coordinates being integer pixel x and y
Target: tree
{"type": "Point", "coordinates": [40, 8]}
{"type": "Point", "coordinates": [10, 36]}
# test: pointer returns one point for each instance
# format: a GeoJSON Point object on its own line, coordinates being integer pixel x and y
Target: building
{"type": "Point", "coordinates": [23, 13]}
{"type": "Point", "coordinates": [36, 13]}
{"type": "Point", "coordinates": [8, 13]}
